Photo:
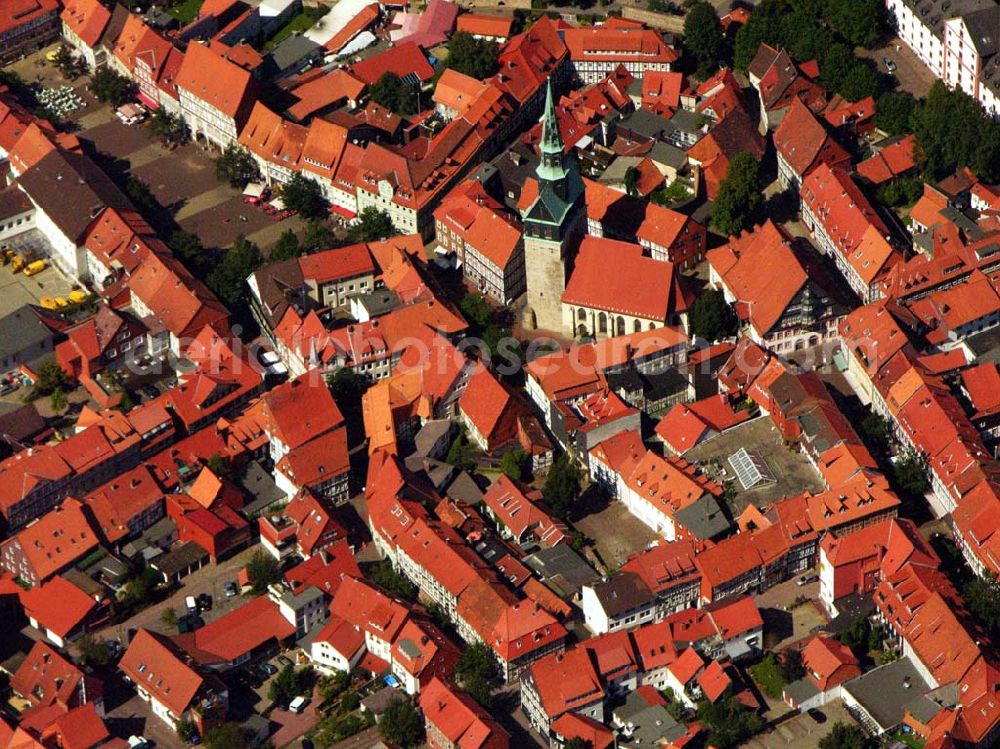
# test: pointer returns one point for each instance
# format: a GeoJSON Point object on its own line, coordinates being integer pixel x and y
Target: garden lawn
{"type": "Point", "coordinates": [302, 22]}
{"type": "Point", "coordinates": [768, 677]}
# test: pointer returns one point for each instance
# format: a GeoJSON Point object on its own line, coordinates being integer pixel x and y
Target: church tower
{"type": "Point", "coordinates": [552, 226]}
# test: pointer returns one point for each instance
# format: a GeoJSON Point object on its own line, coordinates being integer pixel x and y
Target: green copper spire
{"type": "Point", "coordinates": [551, 140]}
{"type": "Point", "coordinates": [551, 168]}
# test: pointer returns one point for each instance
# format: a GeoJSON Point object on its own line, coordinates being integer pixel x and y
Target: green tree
{"type": "Point", "coordinates": [304, 196]}
{"type": "Point", "coordinates": [476, 310]}
{"type": "Point", "coordinates": [169, 617]}
{"type": "Point", "coordinates": [952, 131]}
{"type": "Point", "coordinates": [844, 736]}
{"type": "Point", "coordinates": [236, 166]}
{"type": "Point", "coordinates": [169, 128]}
{"type": "Point", "coordinates": [372, 225]}
{"type": "Point", "coordinates": [516, 465]}
{"type": "Point", "coordinates": [393, 94]}
{"type": "Point", "coordinates": [228, 278]}
{"type": "Point", "coordinates": [902, 191]}
{"type": "Point", "coordinates": [401, 724]}
{"type": "Point", "coordinates": [703, 36]}
{"type": "Point", "coordinates": [859, 22]}
{"type": "Point", "coordinates": [186, 730]}
{"type": "Point", "coordinates": [856, 636]}
{"type": "Point", "coordinates": [578, 742]}
{"type": "Point", "coordinates": [263, 570]}
{"type": "Point", "coordinates": [477, 673]}
{"type": "Point", "coordinates": [386, 576]}
{"type": "Point", "coordinates": [460, 454]}
{"type": "Point", "coordinates": [894, 112]}
{"type": "Point", "coordinates": [286, 248]}
{"type": "Point", "coordinates": [790, 665]}
{"type": "Point", "coordinates": [562, 486]}
{"type": "Point", "coordinates": [347, 388]}
{"type": "Point", "coordinates": [51, 378]}
{"type": "Point", "coordinates": [140, 589]}
{"type": "Point", "coordinates": [728, 721]}
{"type": "Point", "coordinates": [478, 58]}
{"type": "Point", "coordinates": [187, 247]}
{"type": "Point", "coordinates": [140, 195]}
{"type": "Point", "coordinates": [910, 472]}
{"type": "Point", "coordinates": [318, 236]}
{"type": "Point", "coordinates": [65, 63]}
{"type": "Point", "coordinates": [58, 401]}
{"type": "Point", "coordinates": [93, 652]}
{"type": "Point", "coordinates": [110, 86]}
{"type": "Point", "coordinates": [220, 466]}
{"type": "Point", "coordinates": [226, 736]}
{"type": "Point", "coordinates": [982, 596]}
{"type": "Point", "coordinates": [711, 316]}
{"type": "Point", "coordinates": [739, 196]}
{"type": "Point", "coordinates": [289, 684]}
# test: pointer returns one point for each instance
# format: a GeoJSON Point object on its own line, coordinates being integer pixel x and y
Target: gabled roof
{"type": "Point", "coordinates": [87, 19]}
{"type": "Point", "coordinates": [56, 540]}
{"type": "Point", "coordinates": [208, 76]}
{"type": "Point", "coordinates": [803, 142]}
{"type": "Point", "coordinates": [616, 277]}
{"type": "Point", "coordinates": [153, 663]}
{"type": "Point", "coordinates": [58, 606]}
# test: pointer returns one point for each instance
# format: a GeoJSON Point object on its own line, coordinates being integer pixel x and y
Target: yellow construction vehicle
{"type": "Point", "coordinates": [34, 267]}
{"type": "Point", "coordinates": [48, 302]}
{"type": "Point", "coordinates": [17, 264]}
{"type": "Point", "coordinates": [76, 296]}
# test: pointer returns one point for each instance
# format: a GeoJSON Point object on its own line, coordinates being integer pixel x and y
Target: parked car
{"type": "Point", "coordinates": [269, 669]}
{"type": "Point", "coordinates": [231, 590]}
{"type": "Point", "coordinates": [284, 662]}
{"type": "Point", "coordinates": [806, 579]}
{"type": "Point", "coordinates": [204, 602]}
{"type": "Point", "coordinates": [191, 603]}
{"type": "Point", "coordinates": [137, 742]}
{"type": "Point", "coordinates": [889, 65]}
{"type": "Point", "coordinates": [298, 704]}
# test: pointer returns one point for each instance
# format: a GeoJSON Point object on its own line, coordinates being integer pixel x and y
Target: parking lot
{"type": "Point", "coordinates": [785, 624]}
{"type": "Point", "coordinates": [912, 75]}
{"type": "Point", "coordinates": [802, 731]}
{"type": "Point", "coordinates": [617, 533]}
{"type": "Point", "coordinates": [17, 289]}
{"type": "Point", "coordinates": [182, 180]}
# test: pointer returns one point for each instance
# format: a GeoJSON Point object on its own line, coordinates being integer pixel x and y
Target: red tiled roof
{"type": "Point", "coordinates": [459, 719]}
{"type": "Point", "coordinates": [242, 630]}
{"type": "Point", "coordinates": [87, 19]}
{"type": "Point", "coordinates": [803, 142]}
{"type": "Point", "coordinates": [566, 682]}
{"type": "Point", "coordinates": [401, 60]}
{"type": "Point", "coordinates": [890, 162]}
{"type": "Point", "coordinates": [58, 605]}
{"type": "Point", "coordinates": [154, 666]}
{"type": "Point", "coordinates": [616, 277]}
{"type": "Point", "coordinates": [210, 77]}
{"type": "Point", "coordinates": [480, 24]}
{"type": "Point", "coordinates": [640, 45]}
{"type": "Point", "coordinates": [45, 678]}
{"type": "Point", "coordinates": [56, 540]}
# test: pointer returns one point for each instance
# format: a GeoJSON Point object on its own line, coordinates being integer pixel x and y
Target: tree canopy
{"type": "Point", "coordinates": [390, 91]}
{"type": "Point", "coordinates": [821, 30]}
{"type": "Point", "coordinates": [982, 596]}
{"type": "Point", "coordinates": [739, 195]}
{"type": "Point", "coordinates": [728, 721]}
{"type": "Point", "coordinates": [263, 570]}
{"type": "Point", "coordinates": [110, 86]}
{"type": "Point", "coordinates": [703, 36]}
{"type": "Point", "coordinates": [228, 278]}
{"type": "Point", "coordinates": [711, 316]}
{"type": "Point", "coordinates": [477, 58]}
{"type": "Point", "coordinates": [477, 673]}
{"type": "Point", "coordinates": [386, 576]}
{"type": "Point", "coordinates": [562, 485]}
{"type": "Point", "coordinates": [401, 724]}
{"type": "Point", "coordinates": [236, 166]}
{"type": "Point", "coordinates": [844, 736]}
{"type": "Point", "coordinates": [516, 464]}
{"type": "Point", "coordinates": [894, 112]}
{"type": "Point", "coordinates": [304, 196]}
{"type": "Point", "coordinates": [372, 225]}
{"type": "Point", "coordinates": [953, 131]}
{"type": "Point", "coordinates": [226, 736]}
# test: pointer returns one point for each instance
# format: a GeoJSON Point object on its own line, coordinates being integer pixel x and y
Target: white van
{"type": "Point", "coordinates": [192, 605]}
{"type": "Point", "coordinates": [298, 704]}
